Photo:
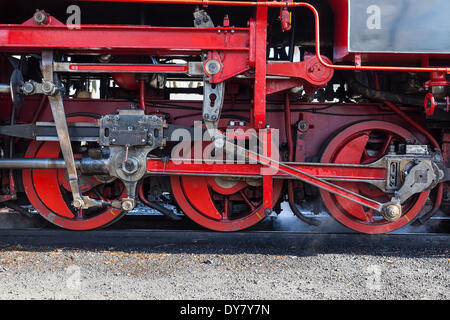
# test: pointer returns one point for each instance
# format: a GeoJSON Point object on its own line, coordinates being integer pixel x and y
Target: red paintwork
{"type": "Point", "coordinates": [43, 189]}
{"type": "Point", "coordinates": [201, 208]}
{"type": "Point", "coordinates": [259, 110]}
{"type": "Point", "coordinates": [348, 147]}
{"type": "Point", "coordinates": [129, 68]}
{"type": "Point", "coordinates": [337, 4]}
{"type": "Point", "coordinates": [254, 170]}
{"type": "Point", "coordinates": [310, 70]}
{"type": "Point", "coordinates": [238, 51]}
{"type": "Point", "coordinates": [127, 81]}
{"type": "Point", "coordinates": [123, 39]}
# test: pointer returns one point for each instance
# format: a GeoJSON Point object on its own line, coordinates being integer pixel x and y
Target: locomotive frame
{"type": "Point", "coordinates": [121, 146]}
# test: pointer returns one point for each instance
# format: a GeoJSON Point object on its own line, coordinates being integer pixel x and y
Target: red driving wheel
{"type": "Point", "coordinates": [221, 204]}
{"type": "Point", "coordinates": [365, 143]}
{"type": "Point", "coordinates": [49, 192]}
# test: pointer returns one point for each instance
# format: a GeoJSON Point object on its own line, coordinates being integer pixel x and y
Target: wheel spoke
{"type": "Point", "coordinates": [80, 214]}
{"type": "Point", "coordinates": [236, 204]}
{"type": "Point", "coordinates": [225, 214]}
{"type": "Point", "coordinates": [369, 216]}
{"type": "Point", "coordinates": [386, 145]}
{"type": "Point", "coordinates": [247, 200]}
{"type": "Point", "coordinates": [98, 194]}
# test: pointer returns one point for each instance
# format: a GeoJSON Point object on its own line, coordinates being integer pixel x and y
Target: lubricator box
{"type": "Point", "coordinates": [391, 26]}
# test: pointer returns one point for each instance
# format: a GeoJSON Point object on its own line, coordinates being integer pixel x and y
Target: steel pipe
{"type": "Point", "coordinates": [86, 165]}
{"type": "Point", "coordinates": [33, 164]}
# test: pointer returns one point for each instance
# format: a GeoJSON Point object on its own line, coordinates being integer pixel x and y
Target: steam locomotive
{"type": "Point", "coordinates": [226, 109]}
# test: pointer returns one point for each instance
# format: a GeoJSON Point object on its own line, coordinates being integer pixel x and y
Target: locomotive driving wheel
{"type": "Point", "coordinates": [221, 203]}
{"type": "Point", "coordinates": [365, 143]}
{"type": "Point", "coordinates": [49, 192]}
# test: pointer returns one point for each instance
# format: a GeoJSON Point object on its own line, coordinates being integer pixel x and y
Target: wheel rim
{"type": "Point", "coordinates": [49, 192]}
{"type": "Point", "coordinates": [365, 143]}
{"type": "Point", "coordinates": [220, 206]}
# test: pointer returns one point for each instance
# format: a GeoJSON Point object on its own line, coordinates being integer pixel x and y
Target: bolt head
{"type": "Point", "coordinates": [212, 67]}
{"type": "Point", "coordinates": [28, 88]}
{"type": "Point", "coordinates": [303, 126]}
{"type": "Point", "coordinates": [48, 88]}
{"type": "Point", "coordinates": [130, 166]}
{"type": "Point", "coordinates": [392, 212]}
{"type": "Point", "coordinates": [127, 205]}
{"type": "Point", "coordinates": [78, 203]}
{"type": "Point", "coordinates": [219, 143]}
{"type": "Point", "coordinates": [40, 17]}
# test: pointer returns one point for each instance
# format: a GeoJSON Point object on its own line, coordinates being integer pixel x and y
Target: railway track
{"type": "Point", "coordinates": [157, 231]}
{"type": "Point", "coordinates": [131, 238]}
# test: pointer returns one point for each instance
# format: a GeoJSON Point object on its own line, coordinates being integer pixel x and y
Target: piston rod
{"type": "Point", "coordinates": [86, 165]}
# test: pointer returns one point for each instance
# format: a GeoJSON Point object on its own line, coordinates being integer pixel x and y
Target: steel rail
{"type": "Point", "coordinates": [290, 5]}
{"type": "Point", "coordinates": [167, 240]}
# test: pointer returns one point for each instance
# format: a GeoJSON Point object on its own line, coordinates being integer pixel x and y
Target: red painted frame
{"type": "Point", "coordinates": [322, 171]}
{"type": "Point", "coordinates": [250, 44]}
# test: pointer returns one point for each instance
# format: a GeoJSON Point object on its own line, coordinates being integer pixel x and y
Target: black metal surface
{"type": "Point", "coordinates": [132, 128]}
{"type": "Point", "coordinates": [400, 26]}
{"type": "Point", "coordinates": [152, 238]}
{"type": "Point", "coordinates": [47, 132]}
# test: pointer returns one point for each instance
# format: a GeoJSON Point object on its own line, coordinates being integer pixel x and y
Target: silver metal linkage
{"type": "Point", "coordinates": [51, 89]}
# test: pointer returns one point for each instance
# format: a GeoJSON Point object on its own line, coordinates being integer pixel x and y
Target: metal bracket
{"type": "Point", "coordinates": [59, 115]}
{"type": "Point", "coordinates": [132, 128]}
{"type": "Point", "coordinates": [419, 178]}
{"type": "Point", "coordinates": [212, 108]}
{"type": "Point", "coordinates": [202, 19]}
{"type": "Point", "coordinates": [130, 166]}
{"type": "Point", "coordinates": [48, 88]}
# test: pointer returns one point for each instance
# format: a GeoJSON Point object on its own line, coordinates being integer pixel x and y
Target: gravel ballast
{"type": "Point", "coordinates": [238, 269]}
